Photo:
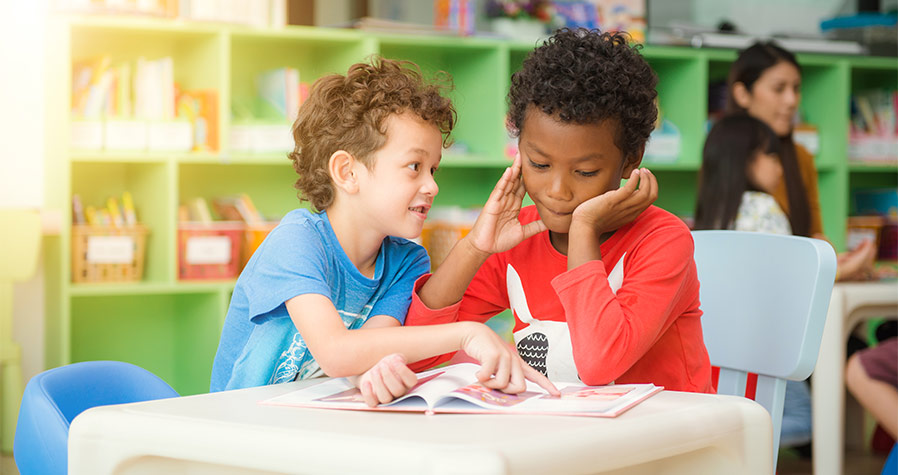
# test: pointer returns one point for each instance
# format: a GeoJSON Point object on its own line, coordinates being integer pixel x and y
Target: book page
{"type": "Point", "coordinates": [339, 393]}
{"type": "Point", "coordinates": [603, 401]}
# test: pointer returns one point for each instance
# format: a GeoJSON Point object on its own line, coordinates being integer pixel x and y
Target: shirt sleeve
{"type": "Point", "coordinates": [611, 331]}
{"type": "Point", "coordinates": [293, 261]}
{"type": "Point", "coordinates": [413, 263]}
{"type": "Point", "coordinates": [484, 297]}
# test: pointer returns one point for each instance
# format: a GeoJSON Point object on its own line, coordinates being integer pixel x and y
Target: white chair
{"type": "Point", "coordinates": [764, 299]}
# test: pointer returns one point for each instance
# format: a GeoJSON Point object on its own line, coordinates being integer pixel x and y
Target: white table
{"type": "Point", "coordinates": [851, 303]}
{"type": "Point", "coordinates": [672, 432]}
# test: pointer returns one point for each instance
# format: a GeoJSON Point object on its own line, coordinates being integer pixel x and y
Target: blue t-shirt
{"type": "Point", "coordinates": [260, 344]}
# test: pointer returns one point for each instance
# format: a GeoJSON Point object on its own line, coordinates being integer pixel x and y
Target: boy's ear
{"type": "Point", "coordinates": [633, 163]}
{"type": "Point", "coordinates": [342, 168]}
{"type": "Point", "coordinates": [741, 95]}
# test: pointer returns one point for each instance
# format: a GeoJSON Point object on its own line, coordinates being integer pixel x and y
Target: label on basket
{"type": "Point", "coordinates": [208, 250]}
{"type": "Point", "coordinates": [110, 249]}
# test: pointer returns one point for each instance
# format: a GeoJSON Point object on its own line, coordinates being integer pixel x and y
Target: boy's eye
{"type": "Point", "coordinates": [587, 174]}
{"type": "Point", "coordinates": [433, 171]}
{"type": "Point", "coordinates": [413, 166]}
{"type": "Point", "coordinates": [539, 166]}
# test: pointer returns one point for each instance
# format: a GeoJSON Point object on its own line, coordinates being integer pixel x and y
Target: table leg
{"type": "Point", "coordinates": [828, 392]}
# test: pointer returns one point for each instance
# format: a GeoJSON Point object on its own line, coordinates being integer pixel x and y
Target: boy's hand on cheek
{"type": "Point", "coordinates": [389, 379]}
{"type": "Point", "coordinates": [497, 228]}
{"type": "Point", "coordinates": [616, 208]}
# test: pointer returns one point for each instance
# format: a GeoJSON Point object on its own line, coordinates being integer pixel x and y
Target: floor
{"type": "Point", "coordinates": [855, 463]}
{"type": "Point", "coordinates": [789, 463]}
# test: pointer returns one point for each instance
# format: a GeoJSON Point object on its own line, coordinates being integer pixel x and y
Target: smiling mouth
{"type": "Point", "coordinates": [419, 209]}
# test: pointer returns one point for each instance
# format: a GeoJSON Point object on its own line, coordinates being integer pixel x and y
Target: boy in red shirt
{"type": "Point", "coordinates": [603, 286]}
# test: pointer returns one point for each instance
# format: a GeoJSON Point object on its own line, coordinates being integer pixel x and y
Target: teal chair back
{"type": "Point", "coordinates": [764, 298]}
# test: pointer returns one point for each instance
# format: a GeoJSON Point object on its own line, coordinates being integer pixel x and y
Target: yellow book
{"type": "Point", "coordinates": [128, 209]}
{"type": "Point", "coordinates": [115, 215]}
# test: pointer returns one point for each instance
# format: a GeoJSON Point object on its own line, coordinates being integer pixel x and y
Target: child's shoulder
{"type": "Point", "coordinates": [656, 220]}
{"type": "Point", "coordinates": [300, 227]}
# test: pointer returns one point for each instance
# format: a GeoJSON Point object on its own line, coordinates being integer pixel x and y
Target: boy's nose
{"type": "Point", "coordinates": [558, 189]}
{"type": "Point", "coordinates": [430, 187]}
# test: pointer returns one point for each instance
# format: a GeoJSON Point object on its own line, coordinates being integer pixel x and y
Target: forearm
{"type": "Point", "coordinates": [584, 245]}
{"type": "Point", "coordinates": [449, 282]}
{"type": "Point", "coordinates": [352, 352]}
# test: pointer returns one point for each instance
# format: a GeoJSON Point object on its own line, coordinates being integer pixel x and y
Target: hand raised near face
{"type": "Point", "coordinates": [616, 208]}
{"type": "Point", "coordinates": [497, 228]}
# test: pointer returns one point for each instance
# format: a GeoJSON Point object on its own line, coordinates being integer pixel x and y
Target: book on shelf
{"type": "Point", "coordinates": [237, 208]}
{"type": "Point", "coordinates": [454, 389]}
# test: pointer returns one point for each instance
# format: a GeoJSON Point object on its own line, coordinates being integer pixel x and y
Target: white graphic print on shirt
{"type": "Point", "coordinates": [545, 344]}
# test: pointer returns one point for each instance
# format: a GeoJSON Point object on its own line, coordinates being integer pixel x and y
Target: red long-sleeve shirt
{"type": "Point", "coordinates": [636, 323]}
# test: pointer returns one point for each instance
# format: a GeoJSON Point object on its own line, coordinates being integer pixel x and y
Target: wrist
{"type": "Point", "coordinates": [465, 332]}
{"type": "Point", "coordinates": [468, 246]}
{"type": "Point", "coordinates": [582, 229]}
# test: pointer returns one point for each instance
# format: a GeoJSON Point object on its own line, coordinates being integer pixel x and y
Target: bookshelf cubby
{"type": "Point", "coordinates": [172, 327]}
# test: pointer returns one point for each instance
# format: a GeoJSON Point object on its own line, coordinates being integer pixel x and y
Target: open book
{"type": "Point", "coordinates": [454, 389]}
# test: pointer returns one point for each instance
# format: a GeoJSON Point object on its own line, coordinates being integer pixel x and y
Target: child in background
{"type": "Point", "coordinates": [327, 292]}
{"type": "Point", "coordinates": [603, 286]}
{"type": "Point", "coordinates": [741, 171]}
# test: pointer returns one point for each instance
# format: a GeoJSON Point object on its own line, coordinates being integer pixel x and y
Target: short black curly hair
{"type": "Point", "coordinates": [585, 76]}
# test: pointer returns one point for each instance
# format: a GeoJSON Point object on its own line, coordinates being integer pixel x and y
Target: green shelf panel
{"type": "Point", "coordinates": [274, 159]}
{"type": "Point", "coordinates": [465, 187]}
{"type": "Point", "coordinates": [194, 51]}
{"type": "Point", "coordinates": [270, 187]}
{"type": "Point", "coordinates": [871, 180]}
{"type": "Point", "coordinates": [473, 161]}
{"type": "Point", "coordinates": [827, 110]}
{"type": "Point", "coordinates": [833, 204]}
{"type": "Point", "coordinates": [479, 86]}
{"type": "Point", "coordinates": [888, 168]}
{"type": "Point", "coordinates": [874, 63]}
{"type": "Point", "coordinates": [149, 288]}
{"type": "Point", "coordinates": [677, 191]}
{"type": "Point", "coordinates": [314, 57]}
{"type": "Point", "coordinates": [160, 333]}
{"type": "Point", "coordinates": [652, 52]}
{"type": "Point", "coordinates": [96, 182]}
{"type": "Point", "coordinates": [682, 100]}
{"type": "Point", "coordinates": [297, 33]}
{"type": "Point", "coordinates": [104, 156]}
{"type": "Point", "coordinates": [864, 79]}
{"type": "Point", "coordinates": [670, 166]}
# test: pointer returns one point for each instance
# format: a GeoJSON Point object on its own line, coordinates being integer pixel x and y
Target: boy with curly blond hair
{"type": "Point", "coordinates": [327, 292]}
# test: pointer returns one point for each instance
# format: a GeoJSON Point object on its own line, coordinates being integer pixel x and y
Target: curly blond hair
{"type": "Point", "coordinates": [348, 113]}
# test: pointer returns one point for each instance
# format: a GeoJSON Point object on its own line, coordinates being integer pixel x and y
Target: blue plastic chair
{"type": "Point", "coordinates": [890, 465]}
{"type": "Point", "coordinates": [764, 298]}
{"type": "Point", "coordinates": [53, 398]}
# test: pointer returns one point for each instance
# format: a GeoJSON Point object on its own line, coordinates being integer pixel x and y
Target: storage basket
{"type": "Point", "coordinates": [209, 251]}
{"type": "Point", "coordinates": [108, 254]}
{"type": "Point", "coordinates": [254, 235]}
{"type": "Point", "coordinates": [439, 237]}
{"type": "Point", "coordinates": [860, 228]}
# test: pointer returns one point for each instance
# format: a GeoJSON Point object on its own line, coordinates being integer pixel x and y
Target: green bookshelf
{"type": "Point", "coordinates": [172, 327]}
